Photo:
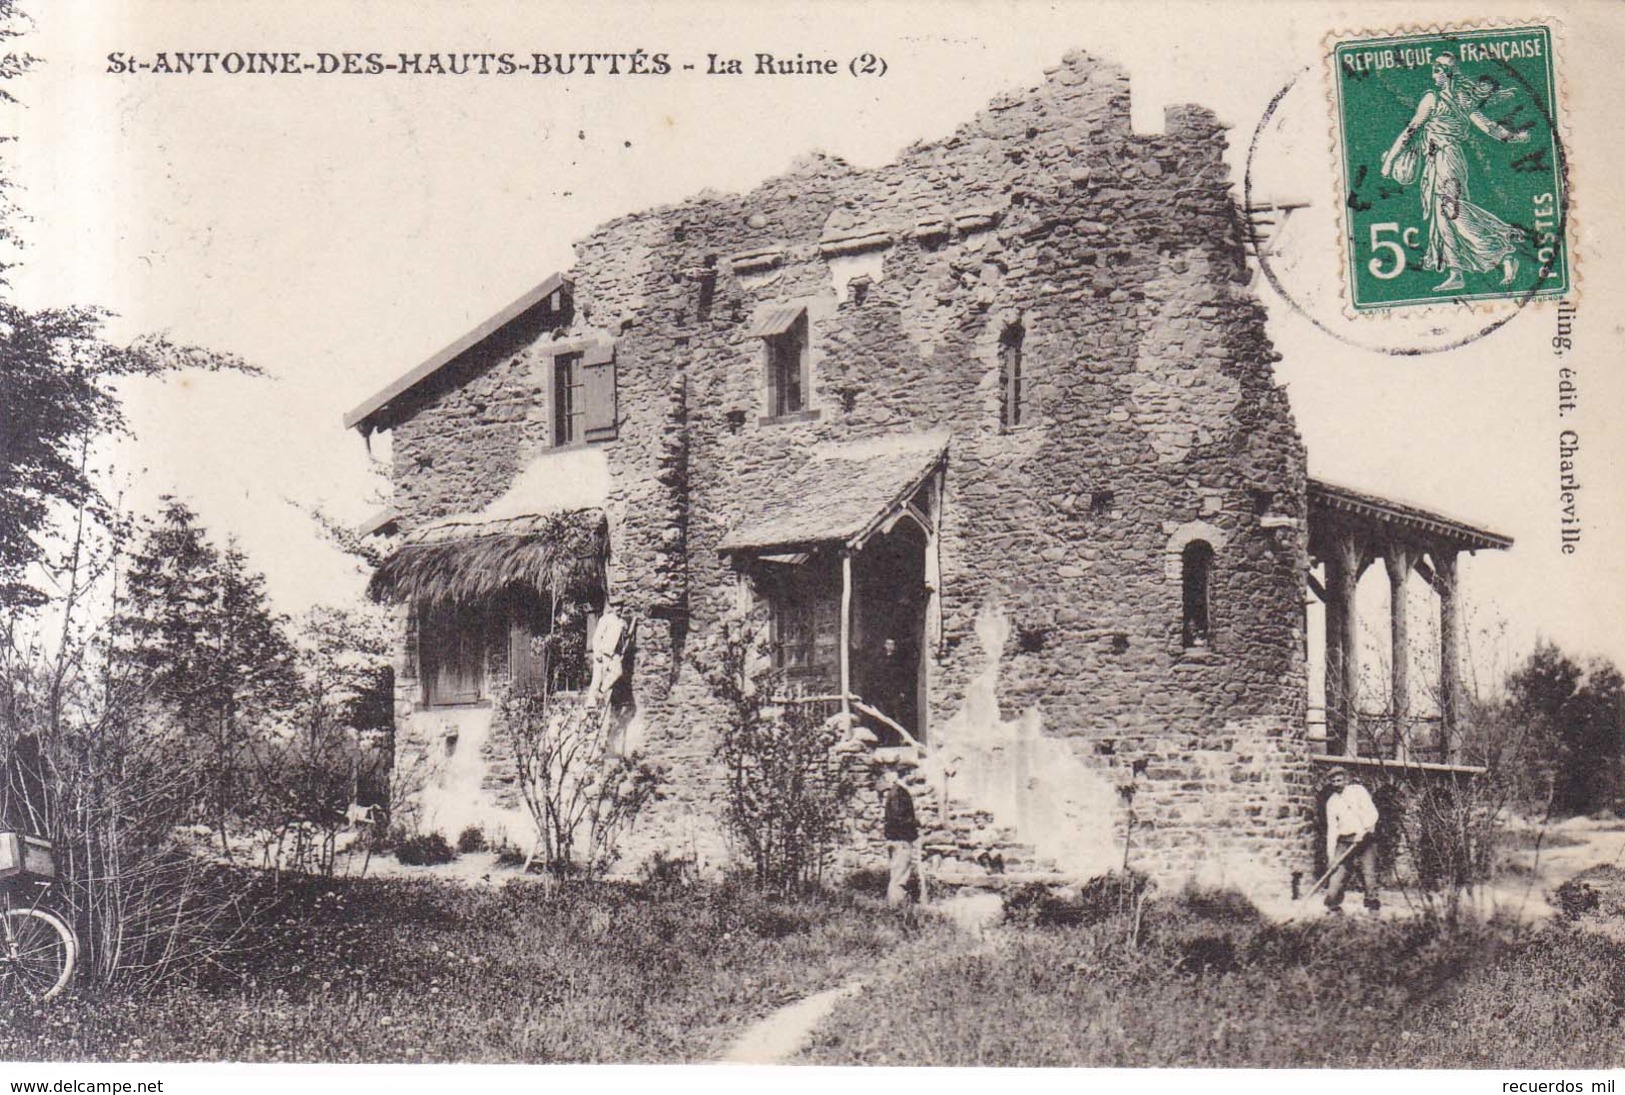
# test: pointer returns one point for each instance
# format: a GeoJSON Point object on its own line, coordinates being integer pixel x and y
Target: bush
{"type": "Point", "coordinates": [581, 793]}
{"type": "Point", "coordinates": [471, 839]}
{"type": "Point", "coordinates": [663, 873]}
{"type": "Point", "coordinates": [785, 790]}
{"type": "Point", "coordinates": [424, 850]}
{"type": "Point", "coordinates": [510, 855]}
{"type": "Point", "coordinates": [1576, 898]}
{"type": "Point", "coordinates": [1096, 901]}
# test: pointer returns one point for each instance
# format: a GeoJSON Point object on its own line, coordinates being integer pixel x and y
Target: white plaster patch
{"type": "Point", "coordinates": [844, 268]}
{"type": "Point", "coordinates": [555, 482]}
{"type": "Point", "coordinates": [1036, 784]}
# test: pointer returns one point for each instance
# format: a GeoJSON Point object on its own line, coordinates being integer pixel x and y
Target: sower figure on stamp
{"type": "Point", "coordinates": [901, 830]}
{"type": "Point", "coordinates": [1351, 826]}
{"type": "Point", "coordinates": [1461, 234]}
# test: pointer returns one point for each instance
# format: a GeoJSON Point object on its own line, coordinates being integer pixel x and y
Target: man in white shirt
{"type": "Point", "coordinates": [1351, 822]}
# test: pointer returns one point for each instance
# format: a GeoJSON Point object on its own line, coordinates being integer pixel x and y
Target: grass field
{"type": "Point", "coordinates": [405, 970]}
{"type": "Point", "coordinates": [393, 970]}
{"type": "Point", "coordinates": [1212, 985]}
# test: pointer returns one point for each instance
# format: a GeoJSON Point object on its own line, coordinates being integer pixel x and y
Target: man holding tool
{"type": "Point", "coordinates": [1351, 825]}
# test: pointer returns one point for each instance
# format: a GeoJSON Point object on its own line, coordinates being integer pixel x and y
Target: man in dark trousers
{"type": "Point", "coordinates": [901, 830]}
{"type": "Point", "coordinates": [1351, 826]}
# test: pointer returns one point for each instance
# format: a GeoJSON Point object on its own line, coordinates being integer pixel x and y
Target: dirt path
{"type": "Point", "coordinates": [781, 1035]}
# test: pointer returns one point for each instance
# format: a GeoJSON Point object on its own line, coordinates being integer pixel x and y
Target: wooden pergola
{"type": "Point", "coordinates": [1348, 532]}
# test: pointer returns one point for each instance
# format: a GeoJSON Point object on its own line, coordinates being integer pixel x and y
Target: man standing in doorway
{"type": "Point", "coordinates": [901, 830]}
{"type": "Point", "coordinates": [1351, 826]}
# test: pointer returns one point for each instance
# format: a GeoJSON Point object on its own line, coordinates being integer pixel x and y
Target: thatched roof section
{"type": "Point", "coordinates": [556, 551]}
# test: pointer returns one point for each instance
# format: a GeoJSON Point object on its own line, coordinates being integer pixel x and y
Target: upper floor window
{"type": "Point", "coordinates": [1011, 395]}
{"type": "Point", "coordinates": [569, 406]}
{"type": "Point", "coordinates": [1196, 569]}
{"type": "Point", "coordinates": [787, 369]}
{"type": "Point", "coordinates": [583, 391]}
{"type": "Point", "coordinates": [786, 359]}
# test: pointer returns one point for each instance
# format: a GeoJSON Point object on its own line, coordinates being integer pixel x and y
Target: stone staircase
{"type": "Point", "coordinates": [964, 847]}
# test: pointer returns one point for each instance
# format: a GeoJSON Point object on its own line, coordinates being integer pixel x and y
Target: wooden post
{"type": "Point", "coordinates": [1397, 559]}
{"type": "Point", "coordinates": [1444, 569]}
{"type": "Point", "coordinates": [846, 634]}
{"type": "Point", "coordinates": [1343, 566]}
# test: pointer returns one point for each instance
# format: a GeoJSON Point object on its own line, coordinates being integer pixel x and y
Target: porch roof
{"type": "Point", "coordinates": [1330, 500]}
{"type": "Point", "coordinates": [547, 531]}
{"type": "Point", "coordinates": [562, 552]}
{"type": "Point", "coordinates": [841, 495]}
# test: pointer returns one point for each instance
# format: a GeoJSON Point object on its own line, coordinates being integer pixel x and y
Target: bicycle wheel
{"type": "Point", "coordinates": [37, 954]}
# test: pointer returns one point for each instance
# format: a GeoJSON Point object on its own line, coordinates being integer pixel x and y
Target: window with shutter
{"type": "Point", "coordinates": [598, 392]}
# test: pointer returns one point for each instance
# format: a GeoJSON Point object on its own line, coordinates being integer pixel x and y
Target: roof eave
{"type": "Point", "coordinates": [1363, 504]}
{"type": "Point", "coordinates": [366, 414]}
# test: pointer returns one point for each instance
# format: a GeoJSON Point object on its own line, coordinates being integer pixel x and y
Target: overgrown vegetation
{"type": "Point", "coordinates": [581, 792]}
{"type": "Point", "coordinates": [1213, 984]}
{"type": "Point", "coordinates": [785, 792]}
{"type": "Point", "coordinates": [370, 970]}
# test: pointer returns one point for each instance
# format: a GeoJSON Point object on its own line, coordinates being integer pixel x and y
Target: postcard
{"type": "Point", "coordinates": [978, 534]}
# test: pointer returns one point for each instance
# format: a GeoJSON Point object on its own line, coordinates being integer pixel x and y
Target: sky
{"type": "Point", "coordinates": [336, 230]}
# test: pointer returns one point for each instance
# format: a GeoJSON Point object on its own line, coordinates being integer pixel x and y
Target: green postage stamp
{"type": "Point", "coordinates": [1453, 167]}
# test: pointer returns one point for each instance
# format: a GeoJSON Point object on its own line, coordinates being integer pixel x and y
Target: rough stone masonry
{"type": "Point", "coordinates": [1150, 419]}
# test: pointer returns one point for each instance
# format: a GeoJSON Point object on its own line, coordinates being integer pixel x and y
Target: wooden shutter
{"type": "Point", "coordinates": [598, 391]}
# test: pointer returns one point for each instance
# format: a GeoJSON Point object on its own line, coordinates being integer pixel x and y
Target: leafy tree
{"type": "Point", "coordinates": [1572, 711]}
{"type": "Point", "coordinates": [197, 624]}
{"type": "Point", "coordinates": [334, 748]}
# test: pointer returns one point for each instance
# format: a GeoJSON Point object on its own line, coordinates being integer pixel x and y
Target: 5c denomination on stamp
{"type": "Point", "coordinates": [1452, 167]}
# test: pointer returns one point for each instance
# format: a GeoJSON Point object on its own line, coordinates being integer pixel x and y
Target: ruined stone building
{"type": "Point", "coordinates": [990, 435]}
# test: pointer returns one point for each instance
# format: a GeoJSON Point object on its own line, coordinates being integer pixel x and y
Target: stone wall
{"type": "Point", "coordinates": [1152, 416]}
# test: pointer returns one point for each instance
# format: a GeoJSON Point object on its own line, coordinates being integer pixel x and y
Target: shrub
{"type": "Point", "coordinates": [1096, 901]}
{"type": "Point", "coordinates": [785, 790]}
{"type": "Point", "coordinates": [581, 793]}
{"type": "Point", "coordinates": [510, 855]}
{"type": "Point", "coordinates": [664, 873]}
{"type": "Point", "coordinates": [424, 850]}
{"type": "Point", "coordinates": [471, 839]}
{"type": "Point", "coordinates": [1576, 898]}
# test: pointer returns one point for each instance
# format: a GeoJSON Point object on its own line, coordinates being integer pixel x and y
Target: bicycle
{"type": "Point", "coordinates": [38, 946]}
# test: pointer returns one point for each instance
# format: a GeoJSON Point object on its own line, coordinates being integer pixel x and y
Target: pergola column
{"type": "Point", "coordinates": [846, 634]}
{"type": "Point", "coordinates": [1444, 570]}
{"type": "Point", "coordinates": [1343, 644]}
{"type": "Point", "coordinates": [1397, 559]}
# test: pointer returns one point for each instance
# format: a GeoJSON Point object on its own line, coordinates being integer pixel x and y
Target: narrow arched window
{"type": "Point", "coordinates": [1196, 568]}
{"type": "Point", "coordinates": [1010, 380]}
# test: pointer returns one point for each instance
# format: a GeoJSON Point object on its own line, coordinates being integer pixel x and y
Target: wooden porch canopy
{"type": "Point", "coordinates": [841, 498]}
{"type": "Point", "coordinates": [1348, 531]}
{"type": "Point", "coordinates": [843, 495]}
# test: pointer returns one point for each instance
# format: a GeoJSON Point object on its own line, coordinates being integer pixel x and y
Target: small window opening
{"type": "Point", "coordinates": [787, 369]}
{"type": "Point", "coordinates": [708, 288]}
{"type": "Point", "coordinates": [1010, 379]}
{"type": "Point", "coordinates": [569, 408]}
{"type": "Point", "coordinates": [1101, 501]}
{"type": "Point", "coordinates": [1196, 566]}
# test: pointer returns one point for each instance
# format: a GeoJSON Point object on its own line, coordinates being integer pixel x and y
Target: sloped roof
{"type": "Point", "coordinates": [841, 494]}
{"type": "Point", "coordinates": [546, 531]}
{"type": "Point", "coordinates": [364, 417]}
{"type": "Point", "coordinates": [1330, 496]}
{"type": "Point", "coordinates": [563, 552]}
